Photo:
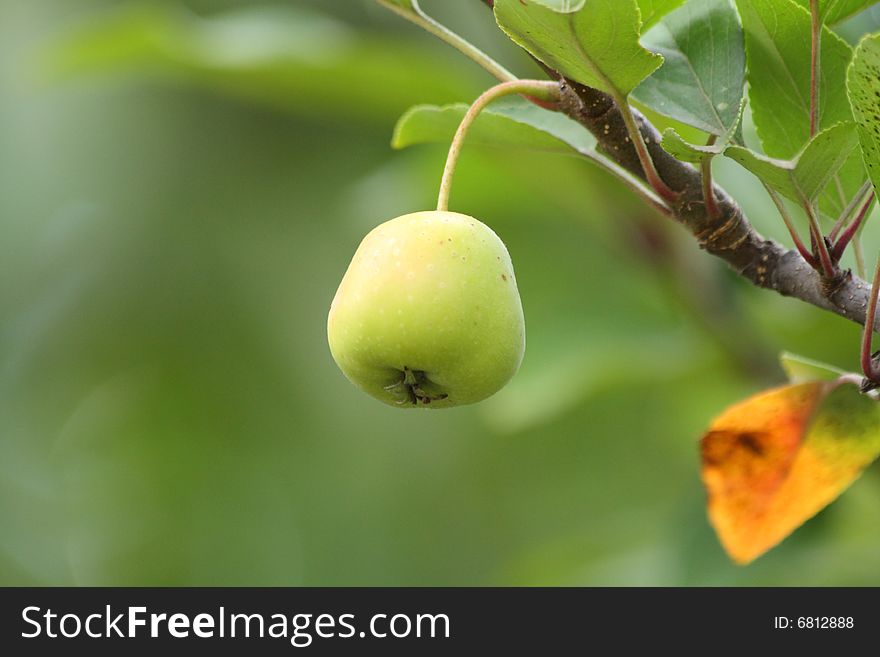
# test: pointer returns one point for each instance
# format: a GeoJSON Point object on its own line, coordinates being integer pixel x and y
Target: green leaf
{"type": "Point", "coordinates": [512, 122]}
{"type": "Point", "coordinates": [804, 177]}
{"type": "Point", "coordinates": [702, 78]}
{"type": "Point", "coordinates": [776, 459]}
{"type": "Point", "coordinates": [834, 11]}
{"type": "Point", "coordinates": [653, 10]}
{"type": "Point", "coordinates": [595, 42]}
{"type": "Point", "coordinates": [799, 369]}
{"type": "Point", "coordinates": [778, 58]}
{"type": "Point", "coordinates": [674, 144]}
{"type": "Point", "coordinates": [778, 52]}
{"type": "Point", "coordinates": [863, 86]}
{"type": "Point", "coordinates": [681, 149]}
{"type": "Point", "coordinates": [287, 57]}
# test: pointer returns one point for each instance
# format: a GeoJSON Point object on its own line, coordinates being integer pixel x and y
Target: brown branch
{"type": "Point", "coordinates": [728, 234]}
{"type": "Point", "coordinates": [853, 228]}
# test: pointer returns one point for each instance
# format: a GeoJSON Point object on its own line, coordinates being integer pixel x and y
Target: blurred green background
{"type": "Point", "coordinates": [182, 185]}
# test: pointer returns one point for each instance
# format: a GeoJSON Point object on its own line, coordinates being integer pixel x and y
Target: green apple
{"type": "Point", "coordinates": [428, 313]}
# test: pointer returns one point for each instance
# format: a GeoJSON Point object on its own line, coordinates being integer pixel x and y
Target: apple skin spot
{"type": "Point", "coordinates": [407, 303]}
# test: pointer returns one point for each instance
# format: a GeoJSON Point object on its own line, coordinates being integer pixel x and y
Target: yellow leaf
{"type": "Point", "coordinates": [776, 459]}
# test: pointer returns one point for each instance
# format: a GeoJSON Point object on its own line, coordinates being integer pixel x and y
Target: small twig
{"type": "Point", "coordinates": [638, 141]}
{"type": "Point", "coordinates": [849, 379]}
{"type": "Point", "coordinates": [786, 219]}
{"type": "Point", "coordinates": [816, 42]}
{"type": "Point", "coordinates": [838, 186]}
{"type": "Point", "coordinates": [706, 173]}
{"type": "Point", "coordinates": [852, 229]}
{"type": "Point", "coordinates": [868, 368]}
{"type": "Point", "coordinates": [828, 268]}
{"type": "Point", "coordinates": [854, 202]}
{"type": "Point", "coordinates": [860, 256]}
{"type": "Point", "coordinates": [541, 89]}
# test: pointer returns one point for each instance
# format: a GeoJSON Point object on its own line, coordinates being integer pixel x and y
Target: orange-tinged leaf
{"type": "Point", "coordinates": [776, 459]}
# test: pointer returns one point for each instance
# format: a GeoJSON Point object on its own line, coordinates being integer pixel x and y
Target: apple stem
{"type": "Point", "coordinates": [539, 89]}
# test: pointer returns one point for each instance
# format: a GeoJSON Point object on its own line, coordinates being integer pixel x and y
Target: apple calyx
{"type": "Point", "coordinates": [410, 389]}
